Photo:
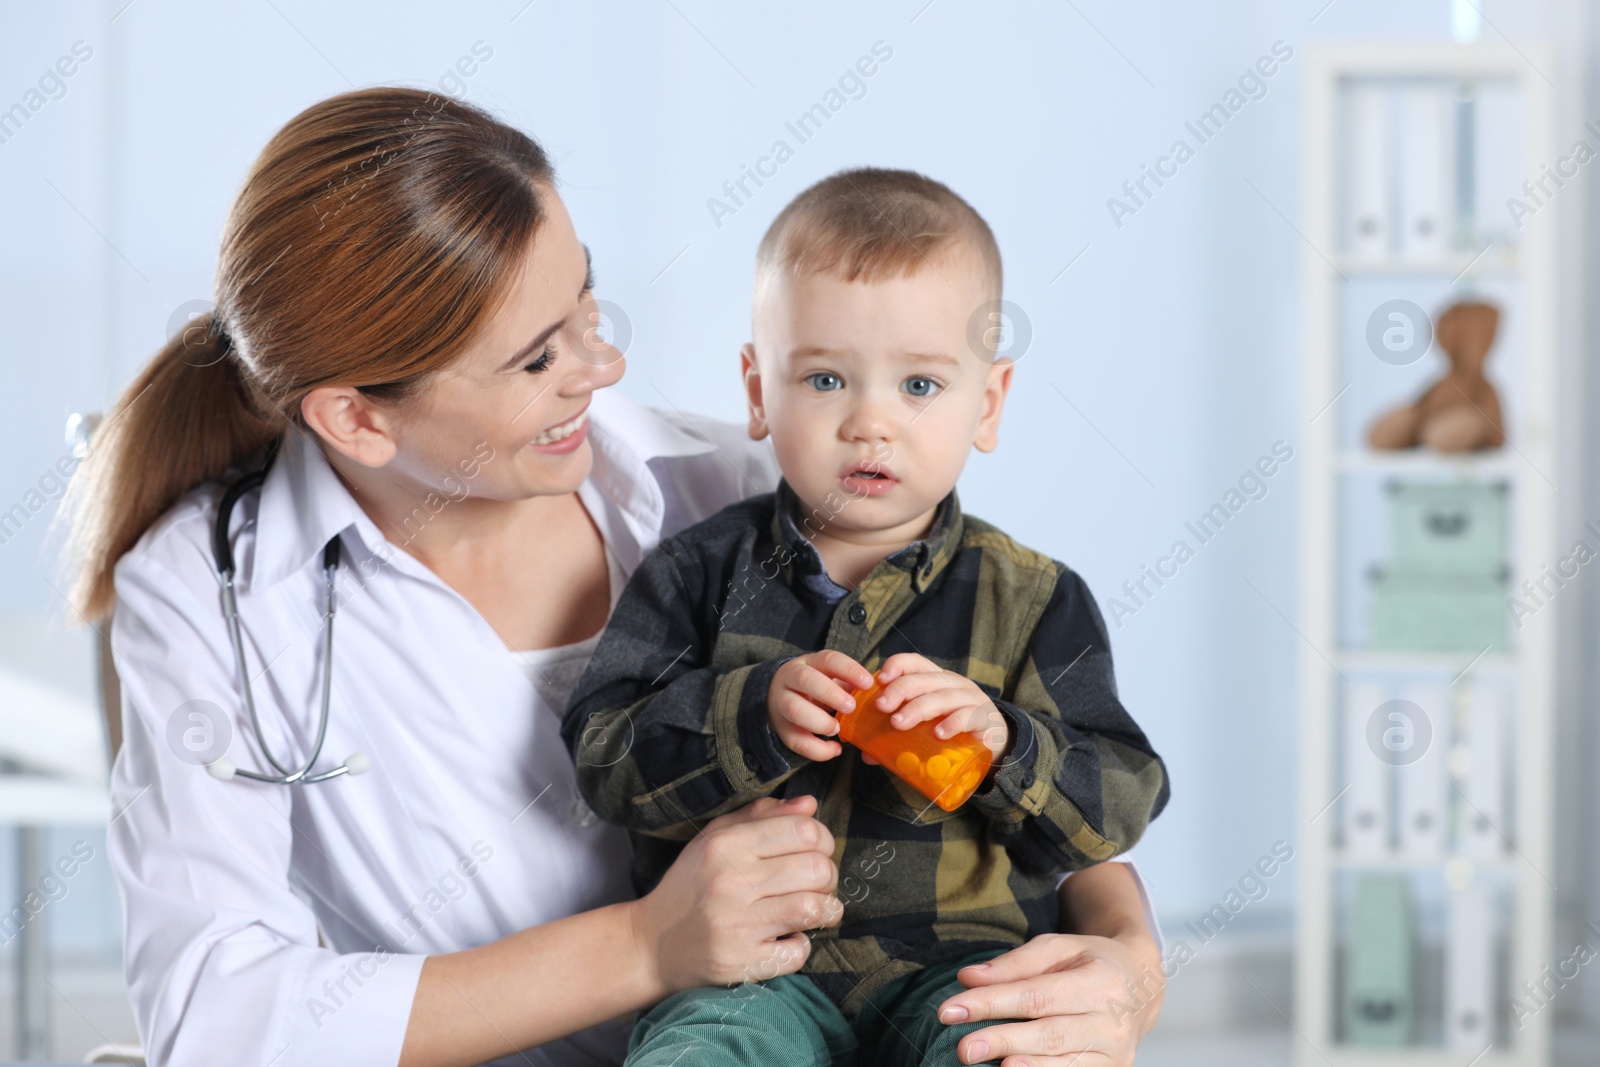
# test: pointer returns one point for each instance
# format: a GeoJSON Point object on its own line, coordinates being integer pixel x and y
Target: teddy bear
{"type": "Point", "coordinates": [1461, 411]}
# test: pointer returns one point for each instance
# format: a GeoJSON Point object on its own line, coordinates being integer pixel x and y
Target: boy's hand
{"type": "Point", "coordinates": [916, 689]}
{"type": "Point", "coordinates": [800, 691]}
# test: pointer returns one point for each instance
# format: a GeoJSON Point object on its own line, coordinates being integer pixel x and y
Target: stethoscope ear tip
{"type": "Point", "coordinates": [222, 769]}
{"type": "Point", "coordinates": [358, 763]}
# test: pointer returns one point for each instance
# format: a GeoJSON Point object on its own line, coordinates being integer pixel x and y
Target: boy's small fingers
{"type": "Point", "coordinates": [838, 665]}
{"type": "Point", "coordinates": [909, 663]}
{"type": "Point", "coordinates": [786, 733]}
{"type": "Point", "coordinates": [824, 690]}
{"type": "Point", "coordinates": [970, 720]}
{"type": "Point", "coordinates": [909, 686]}
{"type": "Point", "coordinates": [791, 733]}
{"type": "Point", "coordinates": [896, 692]}
{"type": "Point", "coordinates": [806, 717]}
{"type": "Point", "coordinates": [923, 707]}
{"type": "Point", "coordinates": [815, 748]}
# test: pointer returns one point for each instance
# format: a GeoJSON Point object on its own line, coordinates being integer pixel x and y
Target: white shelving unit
{"type": "Point", "coordinates": [1342, 395]}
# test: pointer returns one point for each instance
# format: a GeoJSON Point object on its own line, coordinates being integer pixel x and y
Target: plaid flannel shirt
{"type": "Point", "coordinates": [669, 728]}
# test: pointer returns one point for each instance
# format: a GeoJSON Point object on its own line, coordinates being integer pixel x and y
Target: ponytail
{"type": "Point", "coordinates": [188, 418]}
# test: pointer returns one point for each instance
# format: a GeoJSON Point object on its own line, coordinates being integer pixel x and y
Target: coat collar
{"type": "Point", "coordinates": [304, 503]}
{"type": "Point", "coordinates": [922, 559]}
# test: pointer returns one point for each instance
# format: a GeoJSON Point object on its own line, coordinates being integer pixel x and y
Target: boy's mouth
{"type": "Point", "coordinates": [867, 478]}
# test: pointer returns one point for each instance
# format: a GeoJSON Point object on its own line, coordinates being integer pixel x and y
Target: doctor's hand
{"type": "Point", "coordinates": [1083, 999]}
{"type": "Point", "coordinates": [735, 904]}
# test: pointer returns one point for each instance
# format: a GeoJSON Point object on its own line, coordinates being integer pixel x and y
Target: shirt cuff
{"type": "Point", "coordinates": [765, 756]}
{"type": "Point", "coordinates": [350, 1015]}
{"type": "Point", "coordinates": [1017, 773]}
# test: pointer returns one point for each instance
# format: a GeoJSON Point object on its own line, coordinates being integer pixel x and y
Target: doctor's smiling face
{"type": "Point", "coordinates": [513, 410]}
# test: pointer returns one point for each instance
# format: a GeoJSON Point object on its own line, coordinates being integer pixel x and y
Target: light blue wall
{"type": "Point", "coordinates": [1163, 363]}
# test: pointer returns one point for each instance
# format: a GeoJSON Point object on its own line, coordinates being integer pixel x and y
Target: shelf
{"type": "Point", "coordinates": [1472, 466]}
{"type": "Point", "coordinates": [1504, 927]}
{"type": "Point", "coordinates": [1454, 266]}
{"type": "Point", "coordinates": [1410, 1056]}
{"type": "Point", "coordinates": [1455, 662]}
{"type": "Point", "coordinates": [1356, 861]}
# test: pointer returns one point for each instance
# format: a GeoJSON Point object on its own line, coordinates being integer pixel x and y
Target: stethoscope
{"type": "Point", "coordinates": [224, 768]}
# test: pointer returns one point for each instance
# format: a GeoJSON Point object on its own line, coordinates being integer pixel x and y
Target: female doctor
{"type": "Point", "coordinates": [404, 334]}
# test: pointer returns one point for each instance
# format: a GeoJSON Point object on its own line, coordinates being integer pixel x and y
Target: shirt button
{"type": "Point", "coordinates": [858, 614]}
{"type": "Point", "coordinates": [749, 761]}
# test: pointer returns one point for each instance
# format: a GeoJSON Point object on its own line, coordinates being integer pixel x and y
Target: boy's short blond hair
{"type": "Point", "coordinates": [871, 223]}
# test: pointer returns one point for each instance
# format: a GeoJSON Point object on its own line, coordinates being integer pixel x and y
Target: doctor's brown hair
{"type": "Point", "coordinates": [372, 239]}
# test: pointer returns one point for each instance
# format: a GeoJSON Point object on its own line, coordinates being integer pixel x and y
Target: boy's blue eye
{"type": "Point", "coordinates": [917, 386]}
{"type": "Point", "coordinates": [824, 381]}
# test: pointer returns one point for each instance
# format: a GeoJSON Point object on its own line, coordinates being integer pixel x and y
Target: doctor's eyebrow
{"type": "Point", "coordinates": [526, 351]}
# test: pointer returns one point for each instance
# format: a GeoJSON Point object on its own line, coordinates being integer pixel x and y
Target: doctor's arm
{"type": "Point", "coordinates": [222, 957]}
{"type": "Point", "coordinates": [705, 923]}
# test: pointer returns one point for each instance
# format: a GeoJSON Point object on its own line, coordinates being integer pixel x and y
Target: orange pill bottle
{"type": "Point", "coordinates": [945, 770]}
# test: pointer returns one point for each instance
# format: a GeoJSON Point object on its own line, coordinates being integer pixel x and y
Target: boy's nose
{"type": "Point", "coordinates": [868, 422]}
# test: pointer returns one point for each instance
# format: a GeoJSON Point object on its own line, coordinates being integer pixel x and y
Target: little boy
{"type": "Point", "coordinates": [737, 642]}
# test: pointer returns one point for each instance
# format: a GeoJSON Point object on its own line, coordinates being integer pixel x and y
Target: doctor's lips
{"type": "Point", "coordinates": [867, 477]}
{"type": "Point", "coordinates": [564, 436]}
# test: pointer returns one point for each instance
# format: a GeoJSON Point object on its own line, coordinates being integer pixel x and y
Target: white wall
{"type": "Point", "coordinates": [1163, 362]}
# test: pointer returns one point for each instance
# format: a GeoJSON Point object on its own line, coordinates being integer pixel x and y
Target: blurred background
{"type": "Point", "coordinates": [1231, 233]}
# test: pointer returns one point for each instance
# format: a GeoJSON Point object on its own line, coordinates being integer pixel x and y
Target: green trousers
{"type": "Point", "coordinates": [787, 1022]}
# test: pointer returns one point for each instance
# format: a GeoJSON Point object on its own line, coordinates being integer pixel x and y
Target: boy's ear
{"type": "Point", "coordinates": [351, 423]}
{"type": "Point", "coordinates": [751, 374]}
{"type": "Point", "coordinates": [994, 398]}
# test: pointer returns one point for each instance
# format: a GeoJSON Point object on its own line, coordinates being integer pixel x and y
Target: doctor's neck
{"type": "Point", "coordinates": [445, 521]}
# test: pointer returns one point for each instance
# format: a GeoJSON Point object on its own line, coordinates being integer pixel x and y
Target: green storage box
{"type": "Point", "coordinates": [1447, 527]}
{"type": "Point", "coordinates": [1377, 1002]}
{"type": "Point", "coordinates": [1439, 612]}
